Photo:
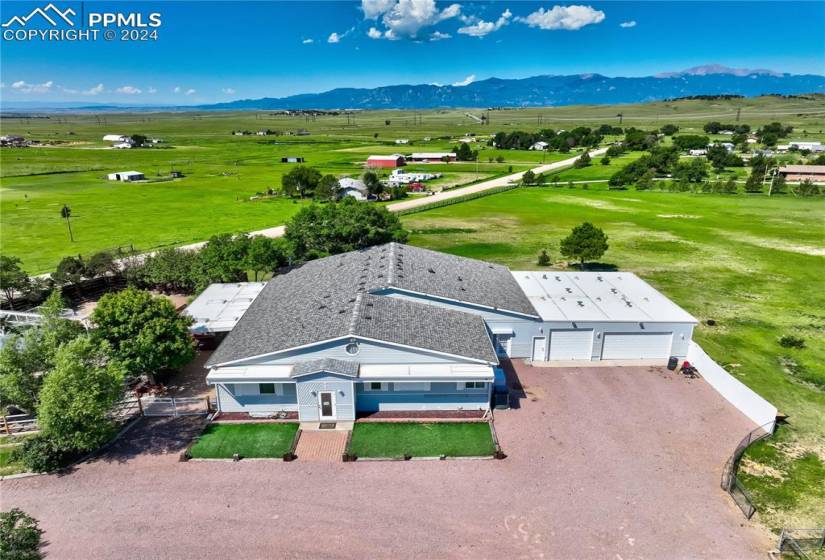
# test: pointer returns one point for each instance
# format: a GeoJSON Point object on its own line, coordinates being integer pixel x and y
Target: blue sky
{"type": "Point", "coordinates": [216, 51]}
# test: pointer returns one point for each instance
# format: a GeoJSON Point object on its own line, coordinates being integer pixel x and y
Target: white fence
{"type": "Point", "coordinates": [18, 424]}
{"type": "Point", "coordinates": [750, 403]}
{"type": "Point", "coordinates": [183, 406]}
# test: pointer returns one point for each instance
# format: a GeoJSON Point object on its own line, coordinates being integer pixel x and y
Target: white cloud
{"type": "Point", "coordinates": [96, 90]}
{"type": "Point", "coordinates": [228, 90]}
{"type": "Point", "coordinates": [373, 33]}
{"type": "Point", "coordinates": [334, 38]}
{"type": "Point", "coordinates": [466, 81]}
{"type": "Point", "coordinates": [569, 18]}
{"type": "Point", "coordinates": [25, 87]}
{"type": "Point", "coordinates": [176, 89]}
{"type": "Point", "coordinates": [482, 28]}
{"type": "Point", "coordinates": [129, 90]}
{"type": "Point", "coordinates": [71, 91]}
{"type": "Point", "coordinates": [627, 24]}
{"type": "Point", "coordinates": [439, 36]}
{"type": "Point", "coordinates": [191, 92]}
{"type": "Point", "coordinates": [374, 8]}
{"type": "Point", "coordinates": [404, 19]}
{"type": "Point", "coordinates": [150, 89]}
{"type": "Point", "coordinates": [307, 41]}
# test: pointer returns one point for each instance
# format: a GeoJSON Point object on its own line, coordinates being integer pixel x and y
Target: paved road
{"type": "Point", "coordinates": [603, 464]}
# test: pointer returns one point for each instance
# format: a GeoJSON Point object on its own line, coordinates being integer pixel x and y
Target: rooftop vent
{"type": "Point", "coordinates": [568, 290]}
{"type": "Point", "coordinates": [627, 303]}
{"type": "Point", "coordinates": [431, 271]}
{"type": "Point", "coordinates": [599, 278]}
{"type": "Point", "coordinates": [558, 278]}
{"type": "Point", "coordinates": [544, 277]}
{"type": "Point", "coordinates": [581, 303]}
{"type": "Point", "coordinates": [614, 290]}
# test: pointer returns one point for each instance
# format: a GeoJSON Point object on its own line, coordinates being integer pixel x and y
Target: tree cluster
{"type": "Point", "coordinates": [562, 141]}
{"type": "Point", "coordinates": [715, 127]}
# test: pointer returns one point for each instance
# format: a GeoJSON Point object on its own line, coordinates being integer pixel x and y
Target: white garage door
{"type": "Point", "coordinates": [571, 345]}
{"type": "Point", "coordinates": [636, 346]}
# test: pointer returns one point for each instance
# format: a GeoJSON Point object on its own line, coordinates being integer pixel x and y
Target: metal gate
{"type": "Point", "coordinates": [167, 406]}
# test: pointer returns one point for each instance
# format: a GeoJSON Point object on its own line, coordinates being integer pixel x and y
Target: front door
{"type": "Point", "coordinates": [326, 400]}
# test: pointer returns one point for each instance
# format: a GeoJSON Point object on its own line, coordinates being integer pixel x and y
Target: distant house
{"type": "Point", "coordinates": [394, 160]}
{"type": "Point", "coordinates": [176, 174]}
{"type": "Point", "coordinates": [810, 146]}
{"type": "Point", "coordinates": [799, 173]}
{"type": "Point", "coordinates": [698, 152]}
{"type": "Point", "coordinates": [539, 145]}
{"type": "Point", "coordinates": [432, 157]}
{"type": "Point", "coordinates": [123, 146]}
{"type": "Point", "coordinates": [127, 176]}
{"type": "Point", "coordinates": [402, 141]}
{"type": "Point", "coordinates": [727, 145]}
{"type": "Point", "coordinates": [119, 138]}
{"type": "Point", "coordinates": [261, 133]}
{"type": "Point", "coordinates": [292, 159]}
{"type": "Point", "coordinates": [12, 140]}
{"type": "Point", "coordinates": [783, 148]}
{"type": "Point", "coordinates": [401, 177]}
{"type": "Point", "coordinates": [352, 187]}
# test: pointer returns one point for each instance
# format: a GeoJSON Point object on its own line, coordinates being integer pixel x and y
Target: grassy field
{"type": "Point", "coordinates": [223, 171]}
{"type": "Point", "coordinates": [222, 441]}
{"type": "Point", "coordinates": [753, 264]}
{"type": "Point", "coordinates": [397, 439]}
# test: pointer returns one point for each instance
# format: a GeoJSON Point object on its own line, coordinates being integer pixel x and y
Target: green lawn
{"type": "Point", "coordinates": [753, 264]}
{"type": "Point", "coordinates": [397, 439]}
{"type": "Point", "coordinates": [222, 441]}
{"type": "Point", "coordinates": [7, 465]}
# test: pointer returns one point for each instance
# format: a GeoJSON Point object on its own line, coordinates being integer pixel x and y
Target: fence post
{"type": "Point", "coordinates": [140, 405]}
{"type": "Point", "coordinates": [6, 425]}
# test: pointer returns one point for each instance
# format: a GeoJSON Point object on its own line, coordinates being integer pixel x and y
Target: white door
{"type": "Point", "coordinates": [571, 345]}
{"type": "Point", "coordinates": [539, 349]}
{"type": "Point", "coordinates": [637, 346]}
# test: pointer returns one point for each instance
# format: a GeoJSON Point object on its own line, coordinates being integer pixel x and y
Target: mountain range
{"type": "Point", "coordinates": [548, 90]}
{"type": "Point", "coordinates": [535, 91]}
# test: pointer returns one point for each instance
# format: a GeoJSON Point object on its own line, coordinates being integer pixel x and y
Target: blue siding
{"type": "Point", "coordinates": [344, 395]}
{"type": "Point", "coordinates": [441, 396]}
{"type": "Point", "coordinates": [263, 404]}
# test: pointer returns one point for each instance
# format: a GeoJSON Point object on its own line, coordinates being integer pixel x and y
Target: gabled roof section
{"type": "Point", "coordinates": [331, 298]}
{"type": "Point", "coordinates": [330, 365]}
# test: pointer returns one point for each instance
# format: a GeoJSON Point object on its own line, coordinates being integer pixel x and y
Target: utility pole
{"type": "Point", "coordinates": [621, 117]}
{"type": "Point", "coordinates": [66, 213]}
{"type": "Point", "coordinates": [738, 113]}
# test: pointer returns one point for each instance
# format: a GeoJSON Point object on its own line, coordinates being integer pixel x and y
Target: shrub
{"type": "Point", "coordinates": [544, 258]}
{"type": "Point", "coordinates": [791, 341]}
{"type": "Point", "coordinates": [605, 160]}
{"type": "Point", "coordinates": [19, 536]}
{"type": "Point", "coordinates": [42, 454]}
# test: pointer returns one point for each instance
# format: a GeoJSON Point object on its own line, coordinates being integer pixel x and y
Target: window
{"type": "Point", "coordinates": [471, 385]}
{"type": "Point", "coordinates": [413, 386]}
{"type": "Point", "coordinates": [267, 388]}
{"type": "Point", "coordinates": [376, 386]}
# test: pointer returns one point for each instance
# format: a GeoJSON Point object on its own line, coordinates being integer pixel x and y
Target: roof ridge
{"type": "Point", "coordinates": [391, 264]}
{"type": "Point", "coordinates": [356, 309]}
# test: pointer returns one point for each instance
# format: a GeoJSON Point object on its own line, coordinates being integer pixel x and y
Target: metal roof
{"type": "Point", "coordinates": [431, 155]}
{"type": "Point", "coordinates": [802, 169]}
{"type": "Point", "coordinates": [220, 306]}
{"type": "Point", "coordinates": [598, 296]}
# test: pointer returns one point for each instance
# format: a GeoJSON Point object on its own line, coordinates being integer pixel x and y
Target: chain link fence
{"type": "Point", "coordinates": [730, 481]}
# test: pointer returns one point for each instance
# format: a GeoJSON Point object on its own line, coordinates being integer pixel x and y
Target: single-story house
{"type": "Point", "coordinates": [11, 140]}
{"type": "Point", "coordinates": [799, 173]}
{"type": "Point", "coordinates": [539, 145]}
{"type": "Point", "coordinates": [810, 146]}
{"type": "Point", "coordinates": [400, 328]}
{"type": "Point", "coordinates": [394, 160]}
{"type": "Point", "coordinates": [432, 157]}
{"type": "Point", "coordinates": [292, 159]}
{"type": "Point", "coordinates": [352, 187]}
{"type": "Point", "coordinates": [126, 176]}
{"type": "Point", "coordinates": [402, 141]}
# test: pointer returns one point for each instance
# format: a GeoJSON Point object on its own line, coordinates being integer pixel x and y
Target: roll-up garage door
{"type": "Point", "coordinates": [571, 345]}
{"type": "Point", "coordinates": [636, 346]}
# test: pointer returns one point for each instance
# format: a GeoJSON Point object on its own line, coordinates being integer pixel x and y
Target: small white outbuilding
{"type": "Point", "coordinates": [127, 176]}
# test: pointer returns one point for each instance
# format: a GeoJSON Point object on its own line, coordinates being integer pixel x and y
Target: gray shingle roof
{"type": "Point", "coordinates": [332, 365]}
{"type": "Point", "coordinates": [331, 297]}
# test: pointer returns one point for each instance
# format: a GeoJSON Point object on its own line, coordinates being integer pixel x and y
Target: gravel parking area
{"type": "Point", "coordinates": [614, 463]}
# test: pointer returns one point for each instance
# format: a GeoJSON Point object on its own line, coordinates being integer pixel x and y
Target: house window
{"type": "Point", "coordinates": [472, 385]}
{"type": "Point", "coordinates": [266, 388]}
{"type": "Point", "coordinates": [413, 386]}
{"type": "Point", "coordinates": [376, 386]}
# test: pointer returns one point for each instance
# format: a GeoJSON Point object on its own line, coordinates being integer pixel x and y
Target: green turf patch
{"type": "Point", "coordinates": [7, 464]}
{"type": "Point", "coordinates": [398, 439]}
{"type": "Point", "coordinates": [222, 441]}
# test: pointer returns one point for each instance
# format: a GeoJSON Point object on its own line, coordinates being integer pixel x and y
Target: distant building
{"type": "Point", "coordinates": [12, 140]}
{"type": "Point", "coordinates": [433, 157]}
{"type": "Point", "coordinates": [127, 176]}
{"type": "Point", "coordinates": [352, 187]}
{"type": "Point", "coordinates": [394, 160]}
{"type": "Point", "coordinates": [401, 177]}
{"type": "Point", "coordinates": [261, 133]}
{"type": "Point", "coordinates": [292, 159]}
{"type": "Point", "coordinates": [176, 174]}
{"type": "Point", "coordinates": [123, 146]}
{"type": "Point", "coordinates": [402, 141]}
{"type": "Point", "coordinates": [116, 138]}
{"type": "Point", "coordinates": [698, 152]}
{"type": "Point", "coordinates": [539, 145]}
{"type": "Point", "coordinates": [810, 146]}
{"type": "Point", "coordinates": [799, 173]}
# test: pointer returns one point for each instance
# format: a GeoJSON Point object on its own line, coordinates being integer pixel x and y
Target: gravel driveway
{"type": "Point", "coordinates": [614, 463]}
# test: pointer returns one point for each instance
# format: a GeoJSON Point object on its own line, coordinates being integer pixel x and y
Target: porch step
{"type": "Point", "coordinates": [321, 446]}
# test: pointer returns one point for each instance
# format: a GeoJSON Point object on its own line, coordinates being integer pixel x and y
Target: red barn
{"type": "Point", "coordinates": [395, 160]}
